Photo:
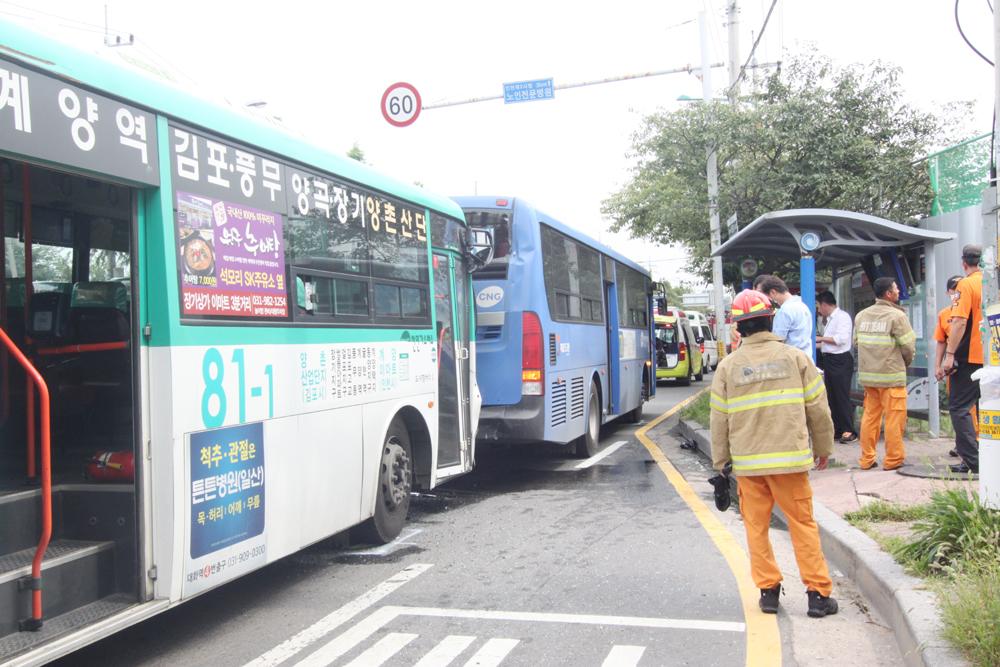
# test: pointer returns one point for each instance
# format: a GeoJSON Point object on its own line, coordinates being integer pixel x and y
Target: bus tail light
{"type": "Point", "coordinates": [682, 351]}
{"type": "Point", "coordinates": [532, 355]}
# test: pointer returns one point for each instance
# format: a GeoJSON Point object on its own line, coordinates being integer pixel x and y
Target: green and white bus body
{"type": "Point", "coordinates": [277, 338]}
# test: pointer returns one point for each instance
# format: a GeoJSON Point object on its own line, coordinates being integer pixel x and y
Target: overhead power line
{"type": "Point", "coordinates": [961, 32]}
{"type": "Point", "coordinates": [743, 70]}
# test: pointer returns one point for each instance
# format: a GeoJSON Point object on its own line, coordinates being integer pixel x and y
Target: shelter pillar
{"type": "Point", "coordinates": [930, 324]}
{"type": "Point", "coordinates": [807, 285]}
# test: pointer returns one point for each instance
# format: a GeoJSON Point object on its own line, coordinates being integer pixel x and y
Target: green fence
{"type": "Point", "coordinates": [959, 174]}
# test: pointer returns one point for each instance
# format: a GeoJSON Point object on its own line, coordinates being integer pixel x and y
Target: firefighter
{"type": "Point", "coordinates": [767, 401]}
{"type": "Point", "coordinates": [886, 345]}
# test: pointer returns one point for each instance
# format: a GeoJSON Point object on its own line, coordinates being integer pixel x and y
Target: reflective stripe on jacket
{"type": "Point", "coordinates": [886, 345]}
{"type": "Point", "coordinates": [767, 401]}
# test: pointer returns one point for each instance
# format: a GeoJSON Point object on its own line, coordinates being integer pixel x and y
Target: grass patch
{"type": "Point", "coordinates": [881, 510]}
{"type": "Point", "coordinates": [970, 609]}
{"type": "Point", "coordinates": [698, 410]}
{"type": "Point", "coordinates": [955, 530]}
{"type": "Point", "coordinates": [955, 542]}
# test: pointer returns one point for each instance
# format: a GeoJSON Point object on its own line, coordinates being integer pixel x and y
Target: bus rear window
{"type": "Point", "coordinates": [498, 224]}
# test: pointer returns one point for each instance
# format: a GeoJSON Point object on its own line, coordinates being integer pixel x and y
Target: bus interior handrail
{"type": "Point", "coordinates": [35, 378]}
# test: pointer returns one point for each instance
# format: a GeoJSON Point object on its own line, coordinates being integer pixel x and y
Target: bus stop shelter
{"type": "Point", "coordinates": [829, 238]}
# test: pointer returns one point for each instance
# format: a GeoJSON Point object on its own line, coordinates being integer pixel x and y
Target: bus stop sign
{"type": "Point", "coordinates": [401, 104]}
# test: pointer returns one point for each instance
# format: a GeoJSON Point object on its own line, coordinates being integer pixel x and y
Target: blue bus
{"type": "Point", "coordinates": [563, 329]}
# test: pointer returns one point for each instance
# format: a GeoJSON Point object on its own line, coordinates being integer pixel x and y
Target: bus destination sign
{"type": "Point", "coordinates": [45, 118]}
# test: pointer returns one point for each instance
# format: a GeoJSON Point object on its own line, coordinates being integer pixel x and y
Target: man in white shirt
{"type": "Point", "coordinates": [838, 364]}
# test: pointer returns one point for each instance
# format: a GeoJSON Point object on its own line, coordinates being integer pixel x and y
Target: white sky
{"type": "Point", "coordinates": [323, 67]}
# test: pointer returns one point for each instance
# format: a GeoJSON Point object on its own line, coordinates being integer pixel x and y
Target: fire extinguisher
{"type": "Point", "coordinates": [106, 466]}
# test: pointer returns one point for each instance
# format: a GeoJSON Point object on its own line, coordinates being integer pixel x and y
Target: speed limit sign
{"type": "Point", "coordinates": [400, 104]}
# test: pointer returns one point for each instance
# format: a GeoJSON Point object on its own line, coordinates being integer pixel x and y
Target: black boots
{"type": "Point", "coordinates": [769, 599]}
{"type": "Point", "coordinates": [819, 606]}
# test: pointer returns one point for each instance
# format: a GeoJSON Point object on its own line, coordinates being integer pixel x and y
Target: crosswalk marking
{"type": "Point", "coordinates": [492, 653]}
{"type": "Point", "coordinates": [447, 650]}
{"type": "Point", "coordinates": [384, 649]}
{"type": "Point", "coordinates": [350, 638]}
{"type": "Point", "coordinates": [623, 655]}
{"type": "Point", "coordinates": [330, 622]}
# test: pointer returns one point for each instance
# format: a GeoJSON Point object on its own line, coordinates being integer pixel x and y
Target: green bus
{"type": "Point", "coordinates": [220, 345]}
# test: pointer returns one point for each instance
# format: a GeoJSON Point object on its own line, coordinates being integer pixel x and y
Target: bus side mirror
{"type": "Point", "coordinates": [478, 248]}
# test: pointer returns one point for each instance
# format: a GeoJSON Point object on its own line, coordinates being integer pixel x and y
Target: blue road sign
{"type": "Point", "coordinates": [528, 91]}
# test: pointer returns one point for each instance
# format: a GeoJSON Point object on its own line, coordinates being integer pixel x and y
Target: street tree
{"type": "Point", "coordinates": [356, 153]}
{"type": "Point", "coordinates": [816, 135]}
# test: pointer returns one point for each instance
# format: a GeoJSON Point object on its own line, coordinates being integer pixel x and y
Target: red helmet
{"type": "Point", "coordinates": [751, 303]}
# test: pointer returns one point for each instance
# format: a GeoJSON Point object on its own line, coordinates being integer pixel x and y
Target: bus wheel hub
{"type": "Point", "coordinates": [395, 474]}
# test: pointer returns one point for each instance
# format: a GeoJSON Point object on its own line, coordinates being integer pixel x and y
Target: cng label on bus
{"type": "Point", "coordinates": [489, 296]}
{"type": "Point", "coordinates": [401, 104]}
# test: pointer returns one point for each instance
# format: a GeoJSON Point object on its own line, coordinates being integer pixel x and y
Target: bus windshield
{"type": "Point", "coordinates": [498, 224]}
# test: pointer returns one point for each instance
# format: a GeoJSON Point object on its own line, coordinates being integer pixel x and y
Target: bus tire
{"type": "Point", "coordinates": [634, 416]}
{"type": "Point", "coordinates": [700, 376]}
{"type": "Point", "coordinates": [588, 443]}
{"type": "Point", "coordinates": [395, 480]}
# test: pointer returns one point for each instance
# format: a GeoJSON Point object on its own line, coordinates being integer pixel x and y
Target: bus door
{"type": "Point", "coordinates": [611, 316]}
{"type": "Point", "coordinates": [451, 308]}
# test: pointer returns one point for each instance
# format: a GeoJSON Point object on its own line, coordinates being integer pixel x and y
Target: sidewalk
{"type": "Point", "coordinates": [903, 600]}
{"type": "Point", "coordinates": [844, 487]}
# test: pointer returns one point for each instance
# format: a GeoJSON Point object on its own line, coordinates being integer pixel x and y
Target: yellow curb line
{"type": "Point", "coordinates": [763, 639]}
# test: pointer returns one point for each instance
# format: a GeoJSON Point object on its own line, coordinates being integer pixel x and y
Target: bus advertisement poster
{"type": "Point", "coordinates": [231, 259]}
{"type": "Point", "coordinates": [227, 505]}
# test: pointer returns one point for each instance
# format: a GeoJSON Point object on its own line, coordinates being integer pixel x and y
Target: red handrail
{"type": "Point", "coordinates": [35, 622]}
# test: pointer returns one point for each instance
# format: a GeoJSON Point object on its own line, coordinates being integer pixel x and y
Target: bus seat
{"type": "Point", "coordinates": [98, 312]}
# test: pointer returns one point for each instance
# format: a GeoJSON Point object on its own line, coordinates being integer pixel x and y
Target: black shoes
{"type": "Point", "coordinates": [819, 606]}
{"type": "Point", "coordinates": [963, 469]}
{"type": "Point", "coordinates": [953, 453]}
{"type": "Point", "coordinates": [851, 437]}
{"type": "Point", "coordinates": [769, 599]}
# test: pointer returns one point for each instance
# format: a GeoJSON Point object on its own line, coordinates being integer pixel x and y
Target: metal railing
{"type": "Point", "coordinates": [35, 381]}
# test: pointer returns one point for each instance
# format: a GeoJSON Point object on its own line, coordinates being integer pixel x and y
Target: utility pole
{"type": "Point", "coordinates": [721, 333]}
{"type": "Point", "coordinates": [733, 24]}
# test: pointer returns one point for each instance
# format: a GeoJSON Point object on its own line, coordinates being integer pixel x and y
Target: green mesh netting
{"type": "Point", "coordinates": [959, 174]}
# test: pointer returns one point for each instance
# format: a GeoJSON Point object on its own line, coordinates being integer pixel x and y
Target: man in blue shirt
{"type": "Point", "coordinates": [794, 320]}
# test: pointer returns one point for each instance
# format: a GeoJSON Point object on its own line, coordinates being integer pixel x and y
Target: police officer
{"type": "Point", "coordinates": [767, 401]}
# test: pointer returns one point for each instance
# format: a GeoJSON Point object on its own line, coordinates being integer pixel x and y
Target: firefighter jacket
{"type": "Point", "coordinates": [886, 345]}
{"type": "Point", "coordinates": [767, 401]}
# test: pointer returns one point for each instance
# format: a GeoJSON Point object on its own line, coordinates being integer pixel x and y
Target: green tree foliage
{"type": "Point", "coordinates": [815, 136]}
{"type": "Point", "coordinates": [356, 153]}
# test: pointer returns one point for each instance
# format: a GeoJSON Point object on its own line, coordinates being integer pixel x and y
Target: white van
{"type": "Point", "coordinates": [706, 337]}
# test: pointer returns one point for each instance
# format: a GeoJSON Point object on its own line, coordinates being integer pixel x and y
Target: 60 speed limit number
{"type": "Point", "coordinates": [400, 104]}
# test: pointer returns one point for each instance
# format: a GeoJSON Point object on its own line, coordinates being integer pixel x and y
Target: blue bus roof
{"type": "Point", "coordinates": [21, 44]}
{"type": "Point", "coordinates": [481, 202]}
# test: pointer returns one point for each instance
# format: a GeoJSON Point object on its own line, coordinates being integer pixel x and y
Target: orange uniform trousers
{"type": "Point", "coordinates": [794, 496]}
{"type": "Point", "coordinates": [890, 402]}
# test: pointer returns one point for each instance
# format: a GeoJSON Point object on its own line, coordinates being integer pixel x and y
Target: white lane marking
{"type": "Point", "coordinates": [607, 451]}
{"type": "Point", "coordinates": [583, 619]}
{"type": "Point", "coordinates": [386, 647]}
{"type": "Point", "coordinates": [447, 650]}
{"type": "Point", "coordinates": [492, 653]}
{"type": "Point", "coordinates": [623, 655]}
{"type": "Point", "coordinates": [330, 622]}
{"type": "Point", "coordinates": [350, 638]}
{"type": "Point", "coordinates": [387, 549]}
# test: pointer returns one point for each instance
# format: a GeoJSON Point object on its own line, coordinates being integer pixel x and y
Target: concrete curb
{"type": "Point", "coordinates": [902, 600]}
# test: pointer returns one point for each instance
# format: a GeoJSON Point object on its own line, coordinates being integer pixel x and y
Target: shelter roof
{"type": "Point", "coordinates": [845, 237]}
